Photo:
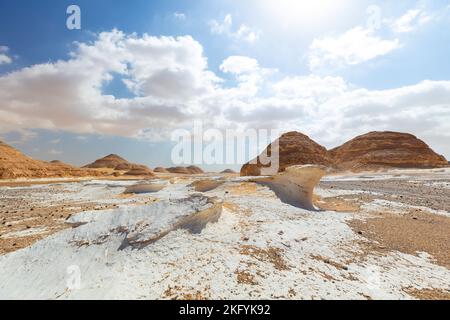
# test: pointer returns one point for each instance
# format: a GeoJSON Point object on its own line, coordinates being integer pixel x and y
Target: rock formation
{"type": "Point", "coordinates": [14, 164]}
{"type": "Point", "coordinates": [126, 166]}
{"type": "Point", "coordinates": [228, 171]}
{"type": "Point", "coordinates": [195, 170]}
{"type": "Point", "coordinates": [144, 188]}
{"type": "Point", "coordinates": [111, 161]}
{"type": "Point", "coordinates": [118, 163]}
{"type": "Point", "coordinates": [295, 186]}
{"type": "Point", "coordinates": [185, 170]}
{"type": "Point", "coordinates": [206, 185]}
{"type": "Point", "coordinates": [160, 170]}
{"type": "Point", "coordinates": [140, 170]}
{"type": "Point", "coordinates": [178, 170]}
{"type": "Point", "coordinates": [295, 148]}
{"type": "Point", "coordinates": [372, 151]}
{"type": "Point", "coordinates": [376, 150]}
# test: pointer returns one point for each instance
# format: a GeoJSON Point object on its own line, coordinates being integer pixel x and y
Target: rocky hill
{"type": "Point", "coordinates": [385, 149]}
{"type": "Point", "coordinates": [111, 161]}
{"type": "Point", "coordinates": [115, 162]}
{"type": "Point", "coordinates": [186, 170]}
{"type": "Point", "coordinates": [14, 164]}
{"type": "Point", "coordinates": [372, 151]}
{"type": "Point", "coordinates": [295, 148]}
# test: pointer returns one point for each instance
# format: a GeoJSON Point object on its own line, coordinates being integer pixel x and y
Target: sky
{"type": "Point", "coordinates": [136, 72]}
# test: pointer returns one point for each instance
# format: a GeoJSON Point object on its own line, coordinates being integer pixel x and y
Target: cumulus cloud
{"type": "Point", "coordinates": [243, 32]}
{"type": "Point", "coordinates": [345, 111]}
{"type": "Point", "coordinates": [312, 86]}
{"type": "Point", "coordinates": [353, 47]}
{"type": "Point", "coordinates": [168, 76]}
{"type": "Point", "coordinates": [173, 86]}
{"type": "Point", "coordinates": [4, 58]}
{"type": "Point", "coordinates": [239, 65]}
{"type": "Point", "coordinates": [248, 74]}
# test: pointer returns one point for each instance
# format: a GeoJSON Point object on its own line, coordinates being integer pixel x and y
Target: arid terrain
{"type": "Point", "coordinates": [374, 236]}
{"type": "Point", "coordinates": [119, 230]}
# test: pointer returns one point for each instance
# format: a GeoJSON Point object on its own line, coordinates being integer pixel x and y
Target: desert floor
{"type": "Point", "coordinates": [374, 236]}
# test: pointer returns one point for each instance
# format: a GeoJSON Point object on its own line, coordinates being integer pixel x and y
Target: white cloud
{"type": "Point", "coordinates": [355, 46]}
{"type": "Point", "coordinates": [169, 76]}
{"type": "Point", "coordinates": [4, 58]}
{"type": "Point", "coordinates": [248, 75]}
{"type": "Point", "coordinates": [239, 65]}
{"type": "Point", "coordinates": [179, 16]}
{"type": "Point", "coordinates": [243, 32]}
{"type": "Point", "coordinates": [55, 141]}
{"type": "Point", "coordinates": [222, 27]}
{"type": "Point", "coordinates": [54, 152]}
{"type": "Point", "coordinates": [311, 86]}
{"type": "Point", "coordinates": [332, 111]}
{"type": "Point", "coordinates": [411, 20]}
{"type": "Point", "coordinates": [174, 86]}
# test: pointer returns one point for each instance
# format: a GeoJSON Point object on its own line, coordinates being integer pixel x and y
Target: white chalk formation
{"type": "Point", "coordinates": [296, 185]}
{"type": "Point", "coordinates": [145, 188]}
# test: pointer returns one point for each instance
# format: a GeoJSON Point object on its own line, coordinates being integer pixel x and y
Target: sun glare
{"type": "Point", "coordinates": [295, 12]}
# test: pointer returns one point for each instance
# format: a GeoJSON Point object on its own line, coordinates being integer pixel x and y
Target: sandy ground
{"type": "Point", "coordinates": [376, 236]}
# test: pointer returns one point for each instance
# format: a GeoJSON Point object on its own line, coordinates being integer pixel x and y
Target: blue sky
{"type": "Point", "coordinates": [136, 72]}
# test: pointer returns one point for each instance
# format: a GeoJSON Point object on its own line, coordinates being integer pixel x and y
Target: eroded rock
{"type": "Point", "coordinates": [144, 188]}
{"type": "Point", "coordinates": [206, 185]}
{"type": "Point", "coordinates": [296, 185]}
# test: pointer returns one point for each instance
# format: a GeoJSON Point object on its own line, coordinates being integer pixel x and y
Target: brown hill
{"type": "Point", "coordinates": [195, 170]}
{"type": "Point", "coordinates": [376, 150]}
{"type": "Point", "coordinates": [186, 170]}
{"type": "Point", "coordinates": [295, 148]}
{"type": "Point", "coordinates": [160, 170]}
{"type": "Point", "coordinates": [111, 162]}
{"type": "Point", "coordinates": [14, 164]}
{"type": "Point", "coordinates": [140, 170]}
{"type": "Point", "coordinates": [115, 162]}
{"type": "Point", "coordinates": [228, 171]}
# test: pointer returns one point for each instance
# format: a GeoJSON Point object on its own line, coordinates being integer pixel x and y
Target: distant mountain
{"type": "Point", "coordinates": [186, 170]}
{"type": "Point", "coordinates": [14, 164]}
{"type": "Point", "coordinates": [111, 161]}
{"type": "Point", "coordinates": [115, 162]}
{"type": "Point", "coordinates": [228, 171]}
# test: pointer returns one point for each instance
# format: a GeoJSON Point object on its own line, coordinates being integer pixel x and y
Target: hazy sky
{"type": "Point", "coordinates": [138, 70]}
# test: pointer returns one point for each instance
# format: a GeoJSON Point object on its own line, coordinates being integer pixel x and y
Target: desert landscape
{"type": "Point", "coordinates": [197, 152]}
{"type": "Point", "coordinates": [367, 220]}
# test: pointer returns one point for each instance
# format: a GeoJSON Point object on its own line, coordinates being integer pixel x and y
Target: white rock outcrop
{"type": "Point", "coordinates": [296, 185]}
{"type": "Point", "coordinates": [144, 188]}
